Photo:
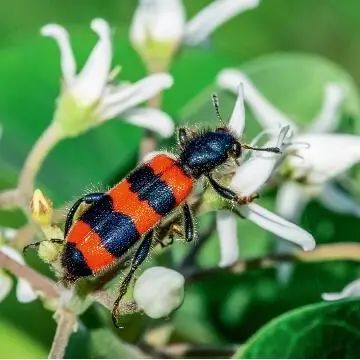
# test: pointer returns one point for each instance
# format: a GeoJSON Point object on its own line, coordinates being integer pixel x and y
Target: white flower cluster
{"type": "Point", "coordinates": [90, 97]}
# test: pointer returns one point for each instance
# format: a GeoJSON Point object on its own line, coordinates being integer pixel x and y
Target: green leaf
{"type": "Point", "coordinates": [17, 343]}
{"type": "Point", "coordinates": [294, 83]}
{"type": "Point", "coordinates": [104, 344]}
{"type": "Point", "coordinates": [325, 330]}
{"type": "Point", "coordinates": [226, 307]}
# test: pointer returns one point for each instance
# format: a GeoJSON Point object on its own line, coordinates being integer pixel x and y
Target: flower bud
{"type": "Point", "coordinates": [41, 208]}
{"type": "Point", "coordinates": [157, 30]}
{"type": "Point", "coordinates": [159, 291]}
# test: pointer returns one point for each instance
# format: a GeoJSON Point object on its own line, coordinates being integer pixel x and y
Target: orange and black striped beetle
{"type": "Point", "coordinates": [129, 213]}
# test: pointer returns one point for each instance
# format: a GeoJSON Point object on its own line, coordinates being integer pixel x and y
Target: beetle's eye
{"type": "Point", "coordinates": [236, 150]}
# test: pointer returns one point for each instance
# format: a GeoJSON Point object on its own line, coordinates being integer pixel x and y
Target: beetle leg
{"type": "Point", "coordinates": [37, 244]}
{"type": "Point", "coordinates": [188, 223]}
{"type": "Point", "coordinates": [183, 136]}
{"type": "Point", "coordinates": [88, 199]}
{"type": "Point", "coordinates": [229, 194]}
{"type": "Point", "coordinates": [139, 257]}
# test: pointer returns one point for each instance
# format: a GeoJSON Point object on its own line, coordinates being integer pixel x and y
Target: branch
{"type": "Point", "coordinates": [9, 199]}
{"type": "Point", "coordinates": [184, 350]}
{"type": "Point", "coordinates": [66, 326]}
{"type": "Point", "coordinates": [37, 281]}
{"type": "Point", "coordinates": [328, 252]}
{"type": "Point", "coordinates": [49, 138]}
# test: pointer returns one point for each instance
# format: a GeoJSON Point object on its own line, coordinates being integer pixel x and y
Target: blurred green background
{"type": "Point", "coordinates": [221, 310]}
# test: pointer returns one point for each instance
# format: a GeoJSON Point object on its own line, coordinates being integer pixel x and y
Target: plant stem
{"type": "Point", "coordinates": [37, 281]}
{"type": "Point", "coordinates": [66, 323]}
{"type": "Point", "coordinates": [148, 143]}
{"type": "Point", "coordinates": [328, 252]}
{"type": "Point", "coordinates": [49, 138]}
{"type": "Point", "coordinates": [9, 198]}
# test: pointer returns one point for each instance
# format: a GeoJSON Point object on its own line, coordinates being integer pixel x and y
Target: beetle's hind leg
{"type": "Point", "coordinates": [139, 257]}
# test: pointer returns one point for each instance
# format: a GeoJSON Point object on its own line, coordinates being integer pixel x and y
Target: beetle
{"type": "Point", "coordinates": [129, 213]}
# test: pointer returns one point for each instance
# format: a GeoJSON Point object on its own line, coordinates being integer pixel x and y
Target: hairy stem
{"type": "Point", "coordinates": [49, 138]}
{"type": "Point", "coordinates": [66, 324]}
{"type": "Point", "coordinates": [38, 281]}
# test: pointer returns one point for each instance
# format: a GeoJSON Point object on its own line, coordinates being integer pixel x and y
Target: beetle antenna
{"type": "Point", "coordinates": [215, 101]}
{"type": "Point", "coordinates": [267, 149]}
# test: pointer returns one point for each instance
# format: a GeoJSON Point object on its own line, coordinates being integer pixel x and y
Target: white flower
{"type": "Point", "coordinates": [159, 291]}
{"type": "Point", "coordinates": [323, 157]}
{"type": "Point", "coordinates": [214, 15]}
{"type": "Point", "coordinates": [320, 156]}
{"type": "Point", "coordinates": [159, 26]}
{"type": "Point", "coordinates": [351, 290]}
{"type": "Point", "coordinates": [87, 98]}
{"type": "Point", "coordinates": [24, 291]}
{"type": "Point", "coordinates": [249, 178]}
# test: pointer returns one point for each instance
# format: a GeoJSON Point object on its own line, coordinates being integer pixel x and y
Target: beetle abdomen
{"type": "Point", "coordinates": [126, 212]}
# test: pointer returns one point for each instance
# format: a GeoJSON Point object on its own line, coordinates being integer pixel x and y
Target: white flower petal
{"type": "Point", "coordinates": [12, 253]}
{"type": "Point", "coordinates": [158, 291]}
{"type": "Point", "coordinates": [349, 291]}
{"type": "Point", "coordinates": [61, 36]}
{"type": "Point", "coordinates": [90, 83]}
{"type": "Point", "coordinates": [265, 112]}
{"type": "Point", "coordinates": [24, 291]}
{"type": "Point", "coordinates": [328, 118]}
{"type": "Point", "coordinates": [149, 118]}
{"type": "Point", "coordinates": [9, 233]}
{"type": "Point", "coordinates": [291, 200]}
{"type": "Point", "coordinates": [337, 200]}
{"type": "Point", "coordinates": [5, 285]}
{"type": "Point", "coordinates": [227, 230]}
{"type": "Point", "coordinates": [158, 20]}
{"type": "Point", "coordinates": [278, 226]}
{"type": "Point", "coordinates": [132, 95]}
{"type": "Point", "coordinates": [253, 174]}
{"type": "Point", "coordinates": [324, 157]}
{"type": "Point", "coordinates": [237, 119]}
{"type": "Point", "coordinates": [213, 16]}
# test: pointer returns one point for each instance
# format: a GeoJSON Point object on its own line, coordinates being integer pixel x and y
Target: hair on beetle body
{"type": "Point", "coordinates": [129, 213]}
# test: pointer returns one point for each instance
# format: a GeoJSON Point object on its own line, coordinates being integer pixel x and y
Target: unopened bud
{"type": "Point", "coordinates": [41, 208]}
{"type": "Point", "coordinates": [159, 291]}
{"type": "Point", "coordinates": [157, 30]}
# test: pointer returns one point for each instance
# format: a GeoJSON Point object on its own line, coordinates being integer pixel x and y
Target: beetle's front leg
{"type": "Point", "coordinates": [229, 194]}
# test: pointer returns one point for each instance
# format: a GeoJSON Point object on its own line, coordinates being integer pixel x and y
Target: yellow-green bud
{"type": "Point", "coordinates": [41, 208]}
